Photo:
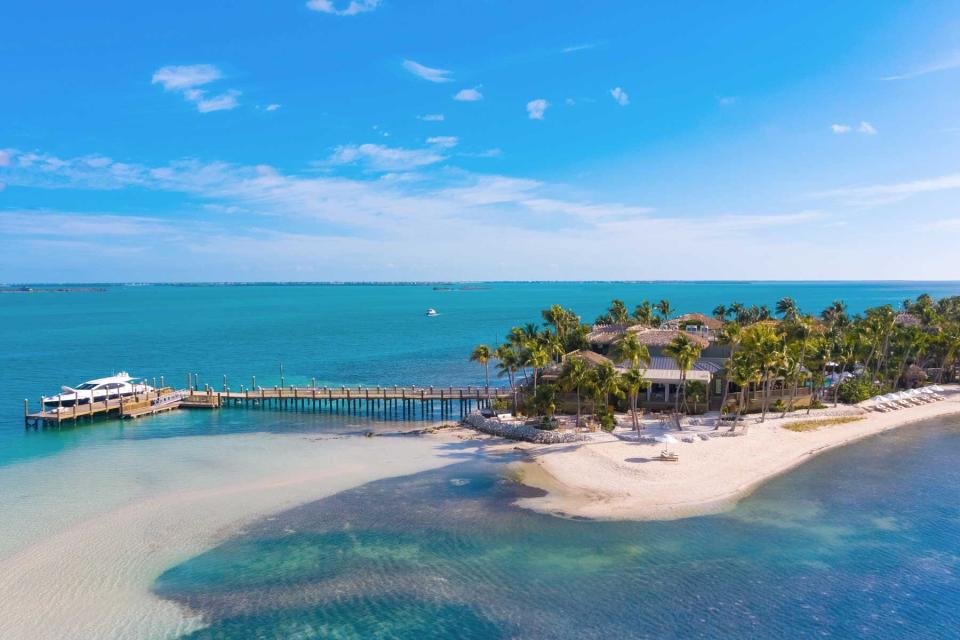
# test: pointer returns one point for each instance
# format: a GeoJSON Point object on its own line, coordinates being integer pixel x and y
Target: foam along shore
{"type": "Point", "coordinates": [612, 478]}
{"type": "Point", "coordinates": [85, 533]}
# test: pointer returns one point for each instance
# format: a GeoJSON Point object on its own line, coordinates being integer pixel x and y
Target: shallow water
{"type": "Point", "coordinates": [860, 542]}
{"type": "Point", "coordinates": [860, 546]}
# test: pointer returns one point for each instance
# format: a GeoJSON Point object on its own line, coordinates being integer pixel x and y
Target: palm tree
{"type": "Point", "coordinates": [685, 353]}
{"type": "Point", "coordinates": [618, 313]}
{"type": "Point", "coordinates": [664, 309]}
{"type": "Point", "coordinates": [720, 312]}
{"type": "Point", "coordinates": [644, 314]}
{"type": "Point", "coordinates": [538, 359]}
{"type": "Point", "coordinates": [788, 309]}
{"type": "Point", "coordinates": [482, 354]}
{"type": "Point", "coordinates": [630, 349]}
{"type": "Point", "coordinates": [574, 377]}
{"type": "Point", "coordinates": [634, 381]}
{"type": "Point", "coordinates": [800, 330]}
{"type": "Point", "coordinates": [764, 346]}
{"type": "Point", "coordinates": [729, 335]}
{"type": "Point", "coordinates": [605, 380]}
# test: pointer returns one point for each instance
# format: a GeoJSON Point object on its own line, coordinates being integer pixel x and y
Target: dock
{"type": "Point", "coordinates": [396, 402]}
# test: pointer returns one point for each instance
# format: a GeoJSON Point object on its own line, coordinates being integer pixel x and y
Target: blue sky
{"type": "Point", "coordinates": [410, 140]}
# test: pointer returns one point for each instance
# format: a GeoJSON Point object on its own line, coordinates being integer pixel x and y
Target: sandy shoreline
{"type": "Point", "coordinates": [609, 478]}
{"type": "Point", "coordinates": [87, 533]}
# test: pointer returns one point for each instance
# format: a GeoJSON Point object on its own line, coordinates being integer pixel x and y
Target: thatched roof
{"type": "Point", "coordinates": [663, 337]}
{"type": "Point", "coordinates": [605, 334]}
{"type": "Point", "coordinates": [695, 318]}
{"type": "Point", "coordinates": [592, 358]}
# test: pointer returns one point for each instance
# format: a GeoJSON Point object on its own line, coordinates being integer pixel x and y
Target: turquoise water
{"type": "Point", "coordinates": [860, 542]}
{"type": "Point", "coordinates": [336, 334]}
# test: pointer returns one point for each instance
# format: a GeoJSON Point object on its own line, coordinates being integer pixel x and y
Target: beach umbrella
{"type": "Point", "coordinates": [667, 439]}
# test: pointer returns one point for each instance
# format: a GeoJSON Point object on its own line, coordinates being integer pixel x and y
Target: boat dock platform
{"type": "Point", "coordinates": [387, 402]}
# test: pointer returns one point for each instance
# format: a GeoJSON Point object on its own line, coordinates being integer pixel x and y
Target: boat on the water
{"type": "Point", "coordinates": [98, 390]}
{"type": "Point", "coordinates": [431, 313]}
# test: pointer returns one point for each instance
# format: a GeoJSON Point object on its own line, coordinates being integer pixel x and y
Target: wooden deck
{"type": "Point", "coordinates": [388, 402]}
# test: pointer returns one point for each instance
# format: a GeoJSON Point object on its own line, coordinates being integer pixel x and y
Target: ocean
{"type": "Point", "coordinates": [859, 542]}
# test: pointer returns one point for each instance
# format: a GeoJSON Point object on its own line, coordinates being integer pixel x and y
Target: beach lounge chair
{"type": "Point", "coordinates": [667, 456]}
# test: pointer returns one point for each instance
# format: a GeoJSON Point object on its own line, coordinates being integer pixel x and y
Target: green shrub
{"type": "Point", "coordinates": [856, 390]}
{"type": "Point", "coordinates": [779, 405]}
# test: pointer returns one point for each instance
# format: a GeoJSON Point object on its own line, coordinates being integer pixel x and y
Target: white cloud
{"type": "Point", "coordinates": [726, 101]}
{"type": "Point", "coordinates": [887, 193]}
{"type": "Point", "coordinates": [536, 108]}
{"type": "Point", "coordinates": [947, 224]}
{"type": "Point", "coordinates": [489, 153]}
{"type": "Point", "coordinates": [353, 7]}
{"type": "Point", "coordinates": [867, 128]}
{"type": "Point", "coordinates": [468, 95]}
{"type": "Point", "coordinates": [951, 61]}
{"type": "Point", "coordinates": [577, 47]}
{"type": "Point", "coordinates": [382, 158]}
{"type": "Point", "coordinates": [222, 102]}
{"type": "Point", "coordinates": [840, 129]}
{"type": "Point", "coordinates": [4, 158]}
{"type": "Point", "coordinates": [179, 78]}
{"type": "Point", "coordinates": [620, 96]}
{"type": "Point", "coordinates": [187, 79]}
{"type": "Point", "coordinates": [446, 142]}
{"type": "Point", "coordinates": [272, 107]}
{"type": "Point", "coordinates": [431, 117]}
{"type": "Point", "coordinates": [427, 73]}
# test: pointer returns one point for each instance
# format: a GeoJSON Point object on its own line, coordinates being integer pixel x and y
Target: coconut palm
{"type": "Point", "coordinates": [787, 309]}
{"type": "Point", "coordinates": [618, 313]}
{"type": "Point", "coordinates": [764, 346]}
{"type": "Point", "coordinates": [482, 354]}
{"type": "Point", "coordinates": [538, 359]}
{"type": "Point", "coordinates": [664, 309]}
{"type": "Point", "coordinates": [574, 377]}
{"type": "Point", "coordinates": [605, 382]}
{"type": "Point", "coordinates": [645, 314]}
{"type": "Point", "coordinates": [720, 312]}
{"type": "Point", "coordinates": [729, 335]}
{"type": "Point", "coordinates": [634, 381]}
{"type": "Point", "coordinates": [630, 349]}
{"type": "Point", "coordinates": [685, 353]}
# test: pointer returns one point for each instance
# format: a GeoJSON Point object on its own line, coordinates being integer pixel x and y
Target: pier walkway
{"type": "Point", "coordinates": [395, 402]}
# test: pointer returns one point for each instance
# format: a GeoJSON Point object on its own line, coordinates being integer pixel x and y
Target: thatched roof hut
{"type": "Point", "coordinates": [663, 337]}
{"type": "Point", "coordinates": [698, 319]}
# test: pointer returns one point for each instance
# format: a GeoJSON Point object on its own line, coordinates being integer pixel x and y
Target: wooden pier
{"type": "Point", "coordinates": [406, 403]}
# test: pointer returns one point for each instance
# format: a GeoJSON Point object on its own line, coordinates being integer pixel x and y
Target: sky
{"type": "Point", "coordinates": [388, 140]}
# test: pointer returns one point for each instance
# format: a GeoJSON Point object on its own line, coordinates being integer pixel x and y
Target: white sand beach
{"type": "Point", "coordinates": [85, 533]}
{"type": "Point", "coordinates": [610, 478]}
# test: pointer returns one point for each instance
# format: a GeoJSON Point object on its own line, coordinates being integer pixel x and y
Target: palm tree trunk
{"type": "Point", "coordinates": [578, 409]}
{"type": "Point", "coordinates": [766, 397]}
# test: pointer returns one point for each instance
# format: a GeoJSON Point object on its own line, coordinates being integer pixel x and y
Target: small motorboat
{"type": "Point", "coordinates": [431, 313]}
{"type": "Point", "coordinates": [117, 386]}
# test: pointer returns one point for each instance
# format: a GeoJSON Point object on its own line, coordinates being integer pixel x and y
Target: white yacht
{"type": "Point", "coordinates": [98, 390]}
{"type": "Point", "coordinates": [431, 313]}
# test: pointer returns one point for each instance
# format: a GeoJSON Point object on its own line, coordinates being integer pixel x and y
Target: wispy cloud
{"type": "Point", "coordinates": [431, 117]}
{"type": "Point", "coordinates": [445, 142]}
{"type": "Point", "coordinates": [272, 107]}
{"type": "Point", "coordinates": [536, 108]}
{"type": "Point", "coordinates": [353, 7]}
{"type": "Point", "coordinates": [887, 193]}
{"type": "Point", "coordinates": [4, 158]}
{"type": "Point", "coordinates": [179, 78]}
{"type": "Point", "coordinates": [726, 101]}
{"type": "Point", "coordinates": [946, 224]}
{"type": "Point", "coordinates": [620, 96]}
{"type": "Point", "coordinates": [468, 95]}
{"type": "Point", "coordinates": [951, 61]}
{"type": "Point", "coordinates": [578, 47]}
{"type": "Point", "coordinates": [864, 127]}
{"type": "Point", "coordinates": [379, 157]}
{"type": "Point", "coordinates": [186, 80]}
{"type": "Point", "coordinates": [427, 73]}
